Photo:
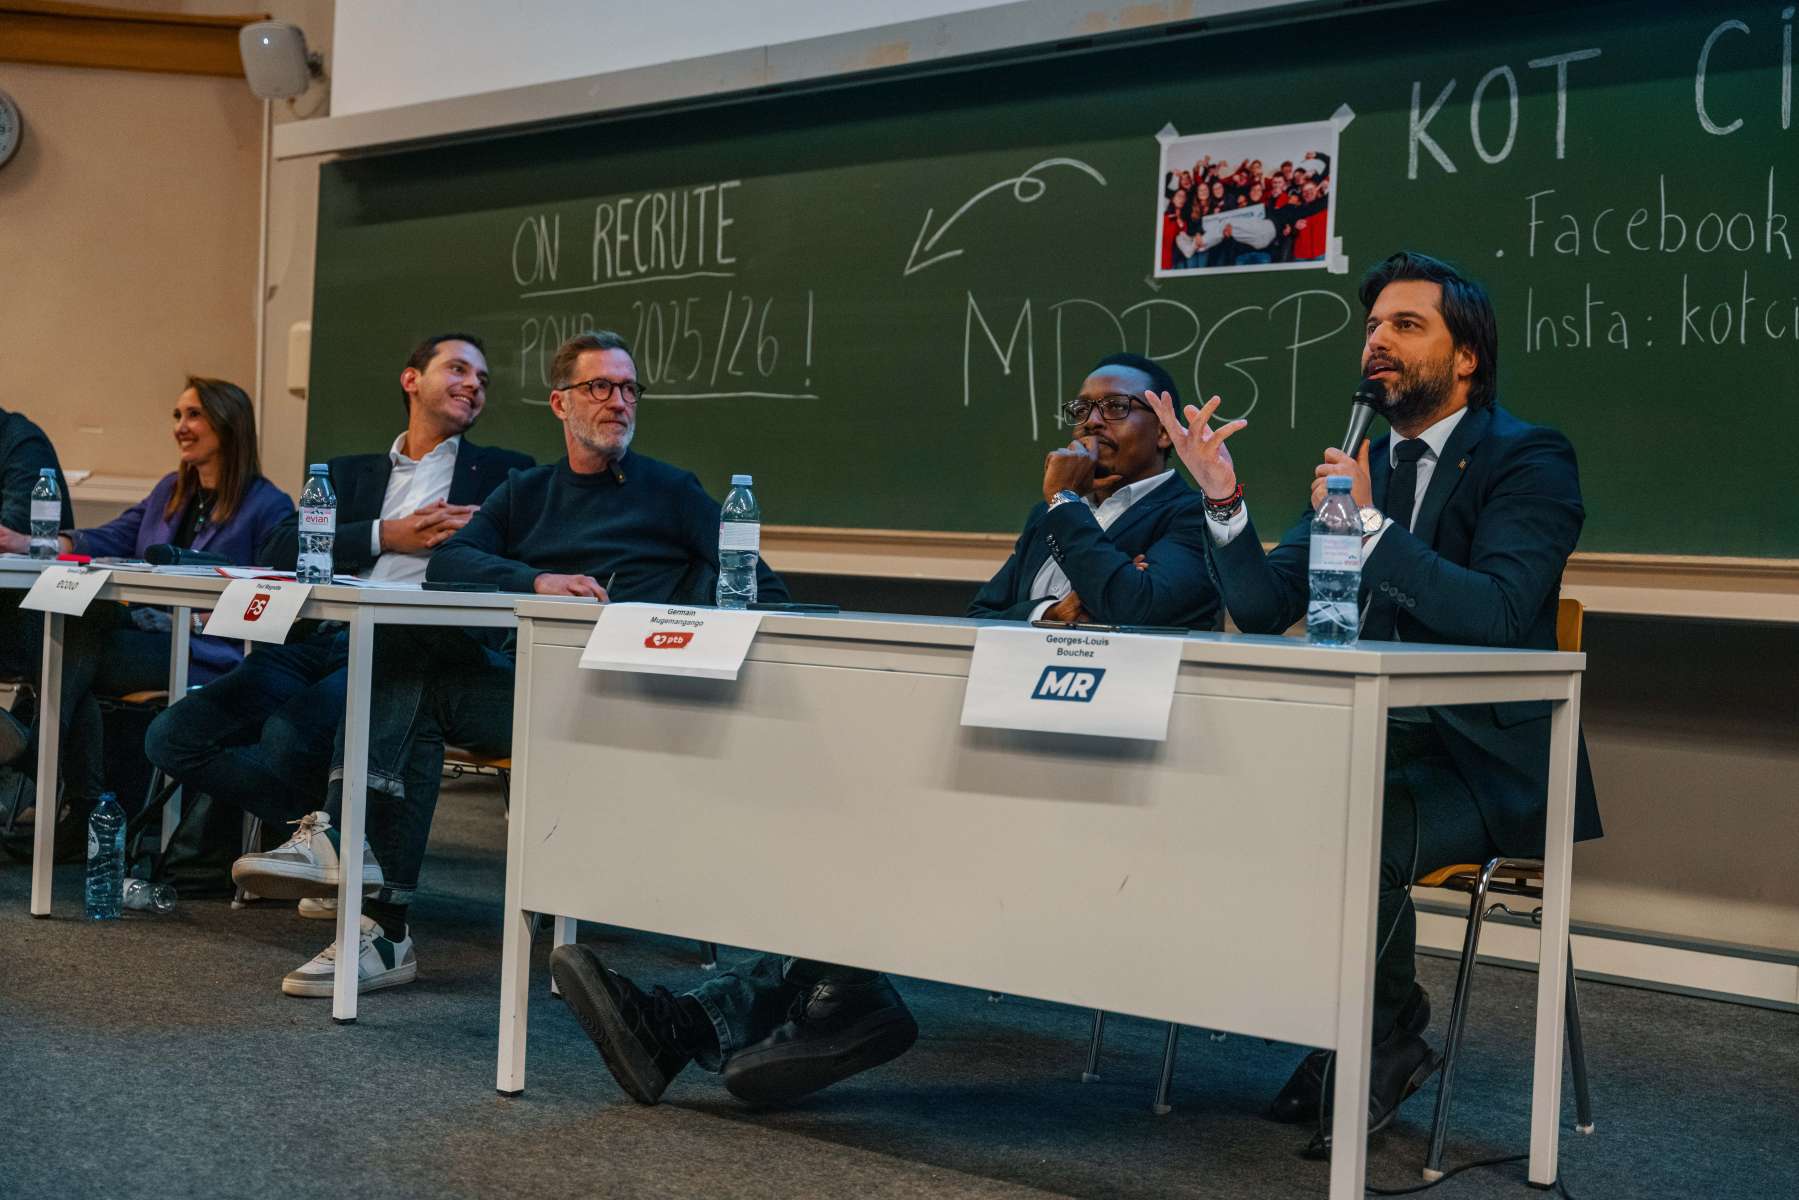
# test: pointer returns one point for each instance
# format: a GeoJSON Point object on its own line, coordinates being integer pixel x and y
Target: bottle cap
{"type": "Point", "coordinates": [740, 481]}
{"type": "Point", "coordinates": [46, 472]}
{"type": "Point", "coordinates": [1338, 483]}
{"type": "Point", "coordinates": [318, 469]}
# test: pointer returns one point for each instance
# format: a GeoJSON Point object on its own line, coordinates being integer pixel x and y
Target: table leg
{"type": "Point", "coordinates": [515, 954]}
{"type": "Point", "coordinates": [179, 632]}
{"type": "Point", "coordinates": [49, 725]}
{"type": "Point", "coordinates": [355, 808]}
{"type": "Point", "coordinates": [565, 933]}
{"type": "Point", "coordinates": [1552, 945]}
{"type": "Point", "coordinates": [1355, 971]}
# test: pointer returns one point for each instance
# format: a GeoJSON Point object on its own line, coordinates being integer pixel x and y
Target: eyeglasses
{"type": "Point", "coordinates": [1115, 407]}
{"type": "Point", "coordinates": [600, 389]}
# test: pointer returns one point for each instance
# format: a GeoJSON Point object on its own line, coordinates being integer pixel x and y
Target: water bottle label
{"type": "Point", "coordinates": [740, 535]}
{"type": "Point", "coordinates": [318, 520]}
{"type": "Point", "coordinates": [1336, 552]}
{"type": "Point", "coordinates": [46, 510]}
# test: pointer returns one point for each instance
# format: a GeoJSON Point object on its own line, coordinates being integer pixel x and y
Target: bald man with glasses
{"type": "Point", "coordinates": [1119, 538]}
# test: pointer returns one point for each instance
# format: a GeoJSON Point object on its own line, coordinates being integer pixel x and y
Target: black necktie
{"type": "Point", "coordinates": [1402, 484]}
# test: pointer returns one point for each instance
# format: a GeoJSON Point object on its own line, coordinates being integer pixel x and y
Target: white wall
{"type": "Point", "coordinates": [396, 52]}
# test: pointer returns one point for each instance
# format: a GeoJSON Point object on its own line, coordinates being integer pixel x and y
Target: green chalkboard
{"type": "Point", "coordinates": [874, 297]}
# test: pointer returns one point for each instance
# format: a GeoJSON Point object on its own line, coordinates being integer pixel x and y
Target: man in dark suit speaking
{"type": "Point", "coordinates": [1119, 537]}
{"type": "Point", "coordinates": [261, 735]}
{"type": "Point", "coordinates": [1469, 515]}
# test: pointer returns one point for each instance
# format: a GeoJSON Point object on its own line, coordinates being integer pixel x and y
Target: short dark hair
{"type": "Point", "coordinates": [1159, 378]}
{"type": "Point", "coordinates": [426, 350]}
{"type": "Point", "coordinates": [581, 343]}
{"type": "Point", "coordinates": [1467, 311]}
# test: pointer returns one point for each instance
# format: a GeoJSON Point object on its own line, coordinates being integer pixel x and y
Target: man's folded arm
{"type": "Point", "coordinates": [1174, 590]}
{"type": "Point", "coordinates": [1528, 527]}
{"type": "Point", "coordinates": [474, 554]}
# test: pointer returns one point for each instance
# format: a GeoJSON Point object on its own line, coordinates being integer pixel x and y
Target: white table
{"type": "Point", "coordinates": [361, 610]}
{"type": "Point", "coordinates": [1226, 878]}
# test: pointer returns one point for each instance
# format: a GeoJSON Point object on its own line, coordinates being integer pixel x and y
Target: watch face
{"type": "Point", "coordinates": [10, 127]}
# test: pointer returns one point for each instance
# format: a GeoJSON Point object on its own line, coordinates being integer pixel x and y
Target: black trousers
{"type": "Point", "coordinates": [1429, 820]}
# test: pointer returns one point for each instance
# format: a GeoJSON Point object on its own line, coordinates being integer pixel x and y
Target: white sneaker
{"type": "Point", "coordinates": [380, 963]}
{"type": "Point", "coordinates": [304, 865]}
{"type": "Point", "coordinates": [316, 908]}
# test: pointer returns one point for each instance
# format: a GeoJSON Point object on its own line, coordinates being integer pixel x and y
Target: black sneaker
{"type": "Point", "coordinates": [633, 1030]}
{"type": "Point", "coordinates": [835, 1029]}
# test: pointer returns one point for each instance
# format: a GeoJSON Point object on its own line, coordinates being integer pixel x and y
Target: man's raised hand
{"type": "Point", "coordinates": [1200, 446]}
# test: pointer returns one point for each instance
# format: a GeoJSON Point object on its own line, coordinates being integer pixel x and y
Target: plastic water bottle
{"type": "Point", "coordinates": [142, 895]}
{"type": "Point", "coordinates": [46, 514]}
{"type": "Point", "coordinates": [1332, 617]}
{"type": "Point", "coordinates": [739, 545]}
{"type": "Point", "coordinates": [105, 859]}
{"type": "Point", "coordinates": [318, 526]}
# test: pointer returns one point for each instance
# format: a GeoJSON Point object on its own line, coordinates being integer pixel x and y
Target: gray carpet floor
{"type": "Point", "coordinates": [156, 1056]}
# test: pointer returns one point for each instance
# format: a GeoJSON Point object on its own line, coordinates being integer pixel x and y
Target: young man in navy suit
{"type": "Point", "coordinates": [261, 735]}
{"type": "Point", "coordinates": [1119, 537]}
{"type": "Point", "coordinates": [1469, 515]}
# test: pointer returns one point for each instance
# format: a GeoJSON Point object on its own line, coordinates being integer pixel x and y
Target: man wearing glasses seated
{"type": "Point", "coordinates": [601, 513]}
{"type": "Point", "coordinates": [1120, 539]}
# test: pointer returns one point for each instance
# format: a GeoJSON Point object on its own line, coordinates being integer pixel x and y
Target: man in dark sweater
{"type": "Point", "coordinates": [602, 513]}
{"type": "Point", "coordinates": [24, 452]}
{"type": "Point", "coordinates": [260, 736]}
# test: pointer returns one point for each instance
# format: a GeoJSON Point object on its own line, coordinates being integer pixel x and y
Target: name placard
{"type": "Point", "coordinates": [654, 639]}
{"type": "Point", "coordinates": [1069, 681]}
{"type": "Point", "coordinates": [259, 610]}
{"type": "Point", "coordinates": [66, 590]}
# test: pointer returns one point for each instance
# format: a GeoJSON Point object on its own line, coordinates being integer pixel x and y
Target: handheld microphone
{"type": "Point", "coordinates": [1362, 411]}
{"type": "Point", "coordinates": [167, 554]}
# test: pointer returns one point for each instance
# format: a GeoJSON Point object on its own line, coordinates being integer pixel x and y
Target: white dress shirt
{"type": "Point", "coordinates": [1435, 438]}
{"type": "Point", "coordinates": [1051, 580]}
{"type": "Point", "coordinates": [413, 484]}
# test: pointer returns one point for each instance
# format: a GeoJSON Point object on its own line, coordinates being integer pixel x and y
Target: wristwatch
{"type": "Point", "coordinates": [1372, 519]}
{"type": "Point", "coordinates": [1065, 496]}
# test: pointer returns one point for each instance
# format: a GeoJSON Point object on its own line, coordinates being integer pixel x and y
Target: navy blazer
{"type": "Point", "coordinates": [144, 525]}
{"type": "Point", "coordinates": [1167, 526]}
{"type": "Point", "coordinates": [1481, 566]}
{"type": "Point", "coordinates": [25, 450]}
{"type": "Point", "coordinates": [360, 481]}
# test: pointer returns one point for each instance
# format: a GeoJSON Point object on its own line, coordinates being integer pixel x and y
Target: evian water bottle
{"type": "Point", "coordinates": [739, 545]}
{"type": "Point", "coordinates": [318, 526]}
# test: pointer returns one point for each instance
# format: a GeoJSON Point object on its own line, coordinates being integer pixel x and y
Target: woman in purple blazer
{"type": "Point", "coordinates": [216, 500]}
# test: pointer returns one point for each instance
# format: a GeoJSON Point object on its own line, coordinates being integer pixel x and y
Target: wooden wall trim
{"type": "Point", "coordinates": [84, 35]}
{"type": "Point", "coordinates": [1692, 586]}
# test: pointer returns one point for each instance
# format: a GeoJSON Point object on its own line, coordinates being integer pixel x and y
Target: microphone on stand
{"type": "Point", "coordinates": [1362, 411]}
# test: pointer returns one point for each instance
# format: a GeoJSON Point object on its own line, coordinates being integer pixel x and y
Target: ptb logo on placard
{"type": "Point", "coordinates": [1068, 683]}
{"type": "Point", "coordinates": [258, 602]}
{"type": "Point", "coordinates": [668, 641]}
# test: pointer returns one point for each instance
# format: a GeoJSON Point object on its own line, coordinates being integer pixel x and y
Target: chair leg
{"type": "Point", "coordinates": [1577, 1054]}
{"type": "Point", "coordinates": [708, 956]}
{"type": "Point", "coordinates": [1161, 1106]}
{"type": "Point", "coordinates": [1458, 1015]}
{"type": "Point", "coordinates": [252, 839]}
{"type": "Point", "coordinates": [506, 789]}
{"type": "Point", "coordinates": [1091, 1074]}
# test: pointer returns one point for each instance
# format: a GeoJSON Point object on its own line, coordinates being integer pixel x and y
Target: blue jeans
{"type": "Point", "coordinates": [1253, 258]}
{"type": "Point", "coordinates": [260, 735]}
{"type": "Point", "coordinates": [428, 687]}
{"type": "Point", "coordinates": [751, 1001]}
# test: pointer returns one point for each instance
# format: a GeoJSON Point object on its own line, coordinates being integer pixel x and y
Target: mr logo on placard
{"type": "Point", "coordinates": [258, 602]}
{"type": "Point", "coordinates": [668, 641]}
{"type": "Point", "coordinates": [1068, 683]}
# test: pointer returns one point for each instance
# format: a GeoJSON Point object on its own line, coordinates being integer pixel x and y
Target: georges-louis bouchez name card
{"type": "Point", "coordinates": [654, 639]}
{"type": "Point", "coordinates": [1069, 681]}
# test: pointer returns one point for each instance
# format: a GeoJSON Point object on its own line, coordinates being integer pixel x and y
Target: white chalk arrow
{"type": "Point", "coordinates": [1026, 188]}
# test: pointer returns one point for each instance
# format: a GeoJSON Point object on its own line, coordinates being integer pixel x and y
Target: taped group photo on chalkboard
{"type": "Point", "coordinates": [1247, 199]}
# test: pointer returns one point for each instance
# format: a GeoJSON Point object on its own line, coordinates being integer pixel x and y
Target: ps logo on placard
{"type": "Point", "coordinates": [258, 602]}
{"type": "Point", "coordinates": [1068, 683]}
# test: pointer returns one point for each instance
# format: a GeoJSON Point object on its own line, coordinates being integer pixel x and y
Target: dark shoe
{"type": "Point", "coordinates": [835, 1030]}
{"type": "Point", "coordinates": [634, 1030]}
{"type": "Point", "coordinates": [1401, 1065]}
{"type": "Point", "coordinates": [14, 735]}
{"type": "Point", "coordinates": [1298, 1101]}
